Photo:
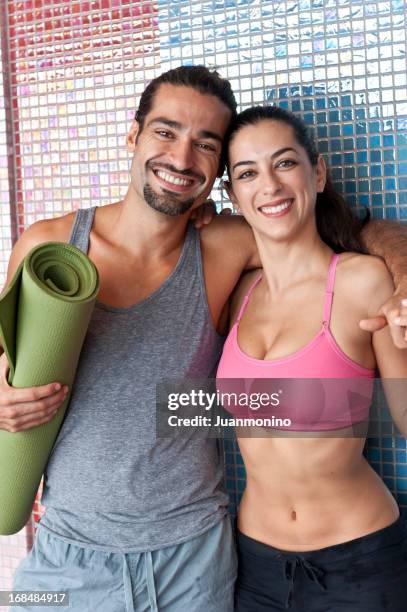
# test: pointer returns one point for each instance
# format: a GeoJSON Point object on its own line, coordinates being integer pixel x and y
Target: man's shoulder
{"type": "Point", "coordinates": [47, 230]}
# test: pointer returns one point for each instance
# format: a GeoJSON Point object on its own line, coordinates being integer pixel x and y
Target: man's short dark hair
{"type": "Point", "coordinates": [201, 79]}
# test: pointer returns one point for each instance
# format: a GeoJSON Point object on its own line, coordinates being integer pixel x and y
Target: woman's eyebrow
{"type": "Point", "coordinates": [276, 154]}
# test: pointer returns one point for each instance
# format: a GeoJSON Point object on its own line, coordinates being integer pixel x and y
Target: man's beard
{"type": "Point", "coordinates": [167, 203]}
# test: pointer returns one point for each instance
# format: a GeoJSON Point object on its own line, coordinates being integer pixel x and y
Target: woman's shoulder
{"type": "Point", "coordinates": [365, 278]}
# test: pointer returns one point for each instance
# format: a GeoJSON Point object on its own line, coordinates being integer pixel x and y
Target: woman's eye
{"type": "Point", "coordinates": [246, 174]}
{"type": "Point", "coordinates": [286, 163]}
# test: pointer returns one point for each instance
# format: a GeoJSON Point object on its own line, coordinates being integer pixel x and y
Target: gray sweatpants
{"type": "Point", "coordinates": [195, 576]}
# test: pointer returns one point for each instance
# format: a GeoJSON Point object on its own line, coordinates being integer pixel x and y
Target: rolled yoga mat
{"type": "Point", "coordinates": [44, 315]}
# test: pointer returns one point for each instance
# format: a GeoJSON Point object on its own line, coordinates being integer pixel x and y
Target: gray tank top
{"type": "Point", "coordinates": [110, 483]}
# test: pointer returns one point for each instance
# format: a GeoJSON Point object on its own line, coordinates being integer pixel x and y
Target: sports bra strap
{"type": "Point", "coordinates": [247, 298]}
{"type": "Point", "coordinates": [329, 294]}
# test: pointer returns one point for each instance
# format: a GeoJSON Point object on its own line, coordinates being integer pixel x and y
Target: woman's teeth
{"type": "Point", "coordinates": [276, 209]}
{"type": "Point", "coordinates": [172, 179]}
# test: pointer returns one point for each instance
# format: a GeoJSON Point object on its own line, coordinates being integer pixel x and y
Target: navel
{"type": "Point", "coordinates": [293, 515]}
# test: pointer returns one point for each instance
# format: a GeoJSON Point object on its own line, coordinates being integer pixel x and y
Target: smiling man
{"type": "Point", "coordinates": [131, 521]}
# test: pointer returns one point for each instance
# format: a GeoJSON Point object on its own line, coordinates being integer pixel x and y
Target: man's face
{"type": "Point", "coordinates": [178, 150]}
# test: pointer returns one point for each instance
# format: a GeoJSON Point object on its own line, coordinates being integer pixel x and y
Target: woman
{"type": "Point", "coordinates": [317, 528]}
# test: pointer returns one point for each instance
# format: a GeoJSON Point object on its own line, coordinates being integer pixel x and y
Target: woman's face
{"type": "Point", "coordinates": [273, 182]}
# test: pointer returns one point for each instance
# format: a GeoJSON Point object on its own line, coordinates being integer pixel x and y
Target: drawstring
{"type": "Point", "coordinates": [312, 572]}
{"type": "Point", "coordinates": [128, 592]}
{"type": "Point", "coordinates": [152, 597]}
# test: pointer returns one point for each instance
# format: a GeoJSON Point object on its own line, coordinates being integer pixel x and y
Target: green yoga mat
{"type": "Point", "coordinates": [44, 315]}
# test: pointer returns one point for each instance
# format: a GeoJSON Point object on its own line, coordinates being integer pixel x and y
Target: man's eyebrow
{"type": "Point", "coordinates": [178, 126]}
{"type": "Point", "coordinates": [276, 154]}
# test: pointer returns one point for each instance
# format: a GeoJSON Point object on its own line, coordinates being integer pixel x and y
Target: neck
{"type": "Point", "coordinates": [285, 263]}
{"type": "Point", "coordinates": [141, 230]}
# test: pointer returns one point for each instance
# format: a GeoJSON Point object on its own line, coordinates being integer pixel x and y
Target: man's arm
{"type": "Point", "coordinates": [389, 241]}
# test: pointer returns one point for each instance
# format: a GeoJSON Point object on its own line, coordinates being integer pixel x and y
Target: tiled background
{"type": "Point", "coordinates": [73, 71]}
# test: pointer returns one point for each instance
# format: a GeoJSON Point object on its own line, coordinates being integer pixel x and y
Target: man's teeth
{"type": "Point", "coordinates": [172, 179]}
{"type": "Point", "coordinates": [275, 209]}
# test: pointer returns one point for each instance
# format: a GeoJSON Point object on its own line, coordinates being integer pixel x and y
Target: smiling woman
{"type": "Point", "coordinates": [299, 320]}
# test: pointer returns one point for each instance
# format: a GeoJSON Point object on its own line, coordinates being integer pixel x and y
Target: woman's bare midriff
{"type": "Point", "coordinates": [309, 493]}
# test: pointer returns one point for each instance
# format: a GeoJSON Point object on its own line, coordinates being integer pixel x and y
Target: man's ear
{"type": "Point", "coordinates": [132, 135]}
{"type": "Point", "coordinates": [321, 174]}
{"type": "Point", "coordinates": [227, 186]}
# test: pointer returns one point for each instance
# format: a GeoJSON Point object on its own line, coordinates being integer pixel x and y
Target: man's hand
{"type": "Point", "coordinates": [204, 214]}
{"type": "Point", "coordinates": [22, 409]}
{"type": "Point", "coordinates": [392, 313]}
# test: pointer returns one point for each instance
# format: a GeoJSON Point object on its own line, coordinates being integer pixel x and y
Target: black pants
{"type": "Point", "coordinates": [368, 574]}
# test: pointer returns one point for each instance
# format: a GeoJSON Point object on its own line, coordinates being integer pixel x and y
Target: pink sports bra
{"type": "Point", "coordinates": [311, 405]}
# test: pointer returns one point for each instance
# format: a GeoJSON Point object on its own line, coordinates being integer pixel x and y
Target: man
{"type": "Point", "coordinates": [135, 522]}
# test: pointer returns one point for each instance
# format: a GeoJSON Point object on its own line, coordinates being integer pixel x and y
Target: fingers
{"type": "Point", "coordinates": [397, 320]}
{"type": "Point", "coordinates": [18, 417]}
{"type": "Point", "coordinates": [204, 214]}
{"type": "Point", "coordinates": [23, 408]}
{"type": "Point", "coordinates": [373, 324]}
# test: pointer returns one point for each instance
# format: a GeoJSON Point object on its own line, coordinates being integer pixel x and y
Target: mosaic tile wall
{"type": "Point", "coordinates": [73, 71]}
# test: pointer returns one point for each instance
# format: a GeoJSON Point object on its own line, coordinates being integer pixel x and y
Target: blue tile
{"type": "Point", "coordinates": [361, 127]}
{"type": "Point", "coordinates": [348, 144]}
{"type": "Point", "coordinates": [361, 142]}
{"type": "Point", "coordinates": [336, 145]}
{"type": "Point", "coordinates": [363, 171]}
{"type": "Point", "coordinates": [309, 118]}
{"type": "Point", "coordinates": [387, 455]}
{"type": "Point", "coordinates": [334, 130]}
{"type": "Point", "coordinates": [349, 158]}
{"type": "Point", "coordinates": [388, 140]}
{"type": "Point", "coordinates": [391, 211]}
{"type": "Point", "coordinates": [374, 142]}
{"type": "Point", "coordinates": [347, 115]}
{"type": "Point", "coordinates": [322, 131]}
{"type": "Point", "coordinates": [375, 156]}
{"type": "Point", "coordinates": [333, 116]}
{"type": "Point", "coordinates": [402, 153]}
{"type": "Point", "coordinates": [350, 187]}
{"type": "Point", "coordinates": [336, 160]}
{"type": "Point", "coordinates": [403, 183]}
{"type": "Point", "coordinates": [320, 103]}
{"type": "Point", "coordinates": [402, 484]}
{"type": "Point", "coordinates": [364, 186]}
{"type": "Point", "coordinates": [402, 168]}
{"type": "Point", "coordinates": [348, 129]}
{"type": "Point", "coordinates": [390, 198]}
{"type": "Point", "coordinates": [377, 200]}
{"type": "Point", "coordinates": [401, 470]}
{"type": "Point", "coordinates": [321, 118]}
{"type": "Point", "coordinates": [375, 170]}
{"type": "Point", "coordinates": [350, 172]}
{"type": "Point", "coordinates": [377, 185]}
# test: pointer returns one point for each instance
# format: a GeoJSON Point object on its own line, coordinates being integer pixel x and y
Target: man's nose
{"type": "Point", "coordinates": [182, 154]}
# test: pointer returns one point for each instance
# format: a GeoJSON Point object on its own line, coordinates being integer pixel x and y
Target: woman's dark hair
{"type": "Point", "coordinates": [338, 227]}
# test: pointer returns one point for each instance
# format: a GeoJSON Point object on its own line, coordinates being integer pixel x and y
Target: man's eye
{"type": "Point", "coordinates": [164, 133]}
{"type": "Point", "coordinates": [206, 146]}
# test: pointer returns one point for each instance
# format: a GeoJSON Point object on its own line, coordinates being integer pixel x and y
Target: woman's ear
{"type": "Point", "coordinates": [227, 186]}
{"type": "Point", "coordinates": [320, 174]}
{"type": "Point", "coordinates": [132, 135]}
